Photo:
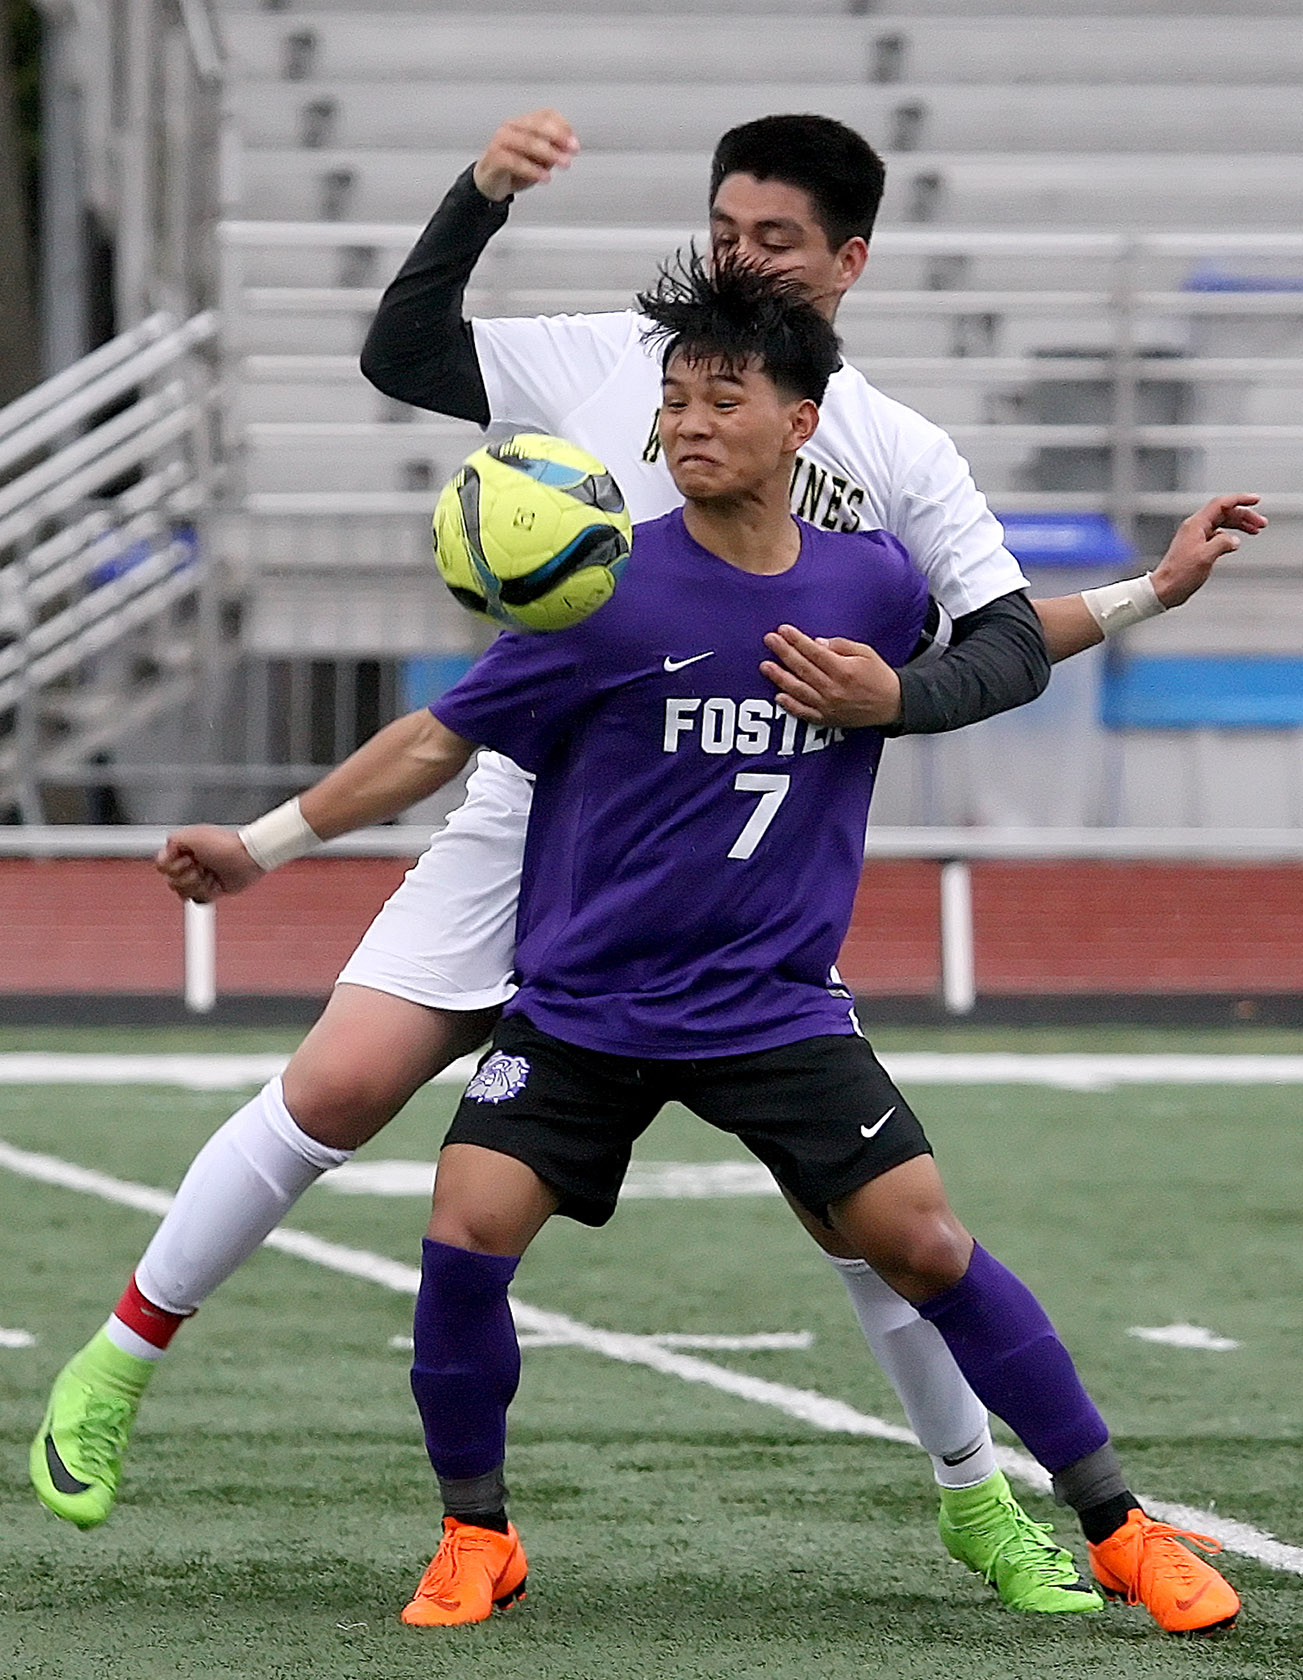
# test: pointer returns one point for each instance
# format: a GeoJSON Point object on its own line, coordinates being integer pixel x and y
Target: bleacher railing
{"type": "Point", "coordinates": [954, 850]}
{"type": "Point", "coordinates": [104, 471]}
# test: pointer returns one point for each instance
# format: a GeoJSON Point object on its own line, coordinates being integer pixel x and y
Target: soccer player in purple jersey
{"type": "Point", "coordinates": [692, 857]}
{"type": "Point", "coordinates": [796, 194]}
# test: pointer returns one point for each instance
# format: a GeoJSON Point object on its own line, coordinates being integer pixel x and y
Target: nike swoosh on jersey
{"type": "Point", "coordinates": [872, 1131]}
{"type": "Point", "coordinates": [678, 664]}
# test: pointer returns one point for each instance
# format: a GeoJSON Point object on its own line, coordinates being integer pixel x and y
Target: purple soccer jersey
{"type": "Point", "coordinates": [693, 851]}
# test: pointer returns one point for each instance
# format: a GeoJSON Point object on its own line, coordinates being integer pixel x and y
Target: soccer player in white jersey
{"type": "Point", "coordinates": [422, 986]}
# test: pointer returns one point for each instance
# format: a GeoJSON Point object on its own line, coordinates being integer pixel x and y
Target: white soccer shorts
{"type": "Point", "coordinates": [447, 937]}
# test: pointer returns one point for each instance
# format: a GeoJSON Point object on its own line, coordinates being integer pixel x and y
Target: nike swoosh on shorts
{"type": "Point", "coordinates": [872, 1131]}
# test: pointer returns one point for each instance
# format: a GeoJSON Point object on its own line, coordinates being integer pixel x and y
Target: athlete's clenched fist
{"type": "Point", "coordinates": [205, 862]}
{"type": "Point", "coordinates": [524, 152]}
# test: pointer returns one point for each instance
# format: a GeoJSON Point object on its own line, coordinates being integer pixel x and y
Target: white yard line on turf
{"type": "Point", "coordinates": [762, 1340]}
{"type": "Point", "coordinates": [1084, 1072]}
{"type": "Point", "coordinates": [1089, 1072]}
{"type": "Point", "coordinates": [645, 1180]}
{"type": "Point", "coordinates": [197, 1072]}
{"type": "Point", "coordinates": [818, 1410]}
{"type": "Point", "coordinates": [1184, 1336]}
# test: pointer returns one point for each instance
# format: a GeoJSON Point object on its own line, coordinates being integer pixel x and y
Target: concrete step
{"type": "Point", "coordinates": [934, 189]}
{"type": "Point", "coordinates": [1143, 115]}
{"type": "Point", "coordinates": [823, 49]}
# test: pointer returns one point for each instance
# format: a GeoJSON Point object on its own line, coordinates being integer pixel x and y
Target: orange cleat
{"type": "Point", "coordinates": [1145, 1563]}
{"type": "Point", "coordinates": [475, 1572]}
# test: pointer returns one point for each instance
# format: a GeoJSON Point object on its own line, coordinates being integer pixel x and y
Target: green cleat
{"type": "Point", "coordinates": [76, 1459]}
{"type": "Point", "coordinates": [986, 1528]}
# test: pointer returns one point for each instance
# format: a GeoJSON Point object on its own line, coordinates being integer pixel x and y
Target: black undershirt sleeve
{"type": "Point", "coordinates": [419, 349]}
{"type": "Point", "coordinates": [997, 659]}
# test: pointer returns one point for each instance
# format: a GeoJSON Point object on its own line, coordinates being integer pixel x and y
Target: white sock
{"type": "Point", "coordinates": [948, 1418]}
{"type": "Point", "coordinates": [239, 1187]}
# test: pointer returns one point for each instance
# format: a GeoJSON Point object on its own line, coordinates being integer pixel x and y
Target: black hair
{"type": "Point", "coordinates": [837, 167]}
{"type": "Point", "coordinates": [734, 312]}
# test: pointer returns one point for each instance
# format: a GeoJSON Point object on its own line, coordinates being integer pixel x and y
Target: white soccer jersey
{"type": "Point", "coordinates": [446, 938]}
{"type": "Point", "coordinates": [872, 464]}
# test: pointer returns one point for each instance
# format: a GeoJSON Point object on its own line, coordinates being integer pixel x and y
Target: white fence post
{"type": "Point", "coordinates": [200, 958]}
{"type": "Point", "coordinates": [958, 969]}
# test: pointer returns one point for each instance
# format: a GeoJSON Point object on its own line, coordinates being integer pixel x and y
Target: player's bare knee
{"type": "Point", "coordinates": [365, 1058]}
{"type": "Point", "coordinates": [479, 1232]}
{"type": "Point", "coordinates": [923, 1257]}
{"type": "Point", "coordinates": [339, 1101]}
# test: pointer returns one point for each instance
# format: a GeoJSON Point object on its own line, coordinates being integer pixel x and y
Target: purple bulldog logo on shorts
{"type": "Point", "coordinates": [501, 1077]}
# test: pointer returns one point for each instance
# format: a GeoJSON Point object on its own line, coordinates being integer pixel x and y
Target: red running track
{"type": "Point", "coordinates": [109, 925]}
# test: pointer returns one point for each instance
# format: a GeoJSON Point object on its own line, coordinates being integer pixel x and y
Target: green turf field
{"type": "Point", "coordinates": [278, 1508]}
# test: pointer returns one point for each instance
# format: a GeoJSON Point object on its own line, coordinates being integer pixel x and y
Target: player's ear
{"type": "Point", "coordinates": [850, 262]}
{"type": "Point", "coordinates": [804, 418]}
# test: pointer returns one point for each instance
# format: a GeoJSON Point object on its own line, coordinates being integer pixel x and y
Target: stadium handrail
{"type": "Point", "coordinates": [88, 562]}
{"type": "Point", "coordinates": [23, 410]}
{"type": "Point", "coordinates": [80, 391]}
{"type": "Point", "coordinates": [954, 849]}
{"type": "Point", "coordinates": [1177, 845]}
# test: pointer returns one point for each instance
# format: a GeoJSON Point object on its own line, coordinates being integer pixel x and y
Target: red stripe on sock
{"type": "Point", "coordinates": [156, 1325]}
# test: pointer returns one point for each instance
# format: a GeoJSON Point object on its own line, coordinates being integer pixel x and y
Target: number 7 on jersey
{"type": "Point", "coordinates": [772, 791]}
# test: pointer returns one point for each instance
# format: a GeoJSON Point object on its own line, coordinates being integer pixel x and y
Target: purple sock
{"type": "Point", "coordinates": [1015, 1363]}
{"type": "Point", "coordinates": [466, 1360]}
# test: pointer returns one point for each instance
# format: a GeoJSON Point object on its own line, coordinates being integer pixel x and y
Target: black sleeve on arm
{"type": "Point", "coordinates": [419, 348]}
{"type": "Point", "coordinates": [997, 659]}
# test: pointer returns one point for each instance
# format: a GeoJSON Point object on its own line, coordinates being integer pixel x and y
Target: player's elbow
{"type": "Point", "coordinates": [377, 368]}
{"type": "Point", "coordinates": [444, 377]}
{"type": "Point", "coordinates": [1021, 662]}
{"type": "Point", "coordinates": [435, 753]}
{"type": "Point", "coordinates": [1039, 664]}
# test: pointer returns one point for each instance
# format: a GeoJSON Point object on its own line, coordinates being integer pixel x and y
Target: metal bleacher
{"type": "Point", "coordinates": [1056, 183]}
{"type": "Point", "coordinates": [632, 45]}
{"type": "Point", "coordinates": [1087, 269]}
{"type": "Point", "coordinates": [354, 121]}
{"type": "Point", "coordinates": [908, 116]}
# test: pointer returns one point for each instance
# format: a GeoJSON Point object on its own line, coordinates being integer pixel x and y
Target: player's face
{"type": "Point", "coordinates": [729, 432]}
{"type": "Point", "coordinates": [774, 226]}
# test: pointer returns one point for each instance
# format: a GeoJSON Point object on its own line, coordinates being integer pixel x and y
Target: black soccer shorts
{"type": "Point", "coordinates": [821, 1114]}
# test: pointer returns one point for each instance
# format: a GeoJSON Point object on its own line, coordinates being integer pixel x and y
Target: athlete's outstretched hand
{"type": "Point", "coordinates": [831, 680]}
{"type": "Point", "coordinates": [205, 862]}
{"type": "Point", "coordinates": [524, 152]}
{"type": "Point", "coordinates": [1200, 542]}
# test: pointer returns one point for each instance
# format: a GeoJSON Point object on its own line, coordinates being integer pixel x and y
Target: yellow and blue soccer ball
{"type": "Point", "coordinates": [532, 532]}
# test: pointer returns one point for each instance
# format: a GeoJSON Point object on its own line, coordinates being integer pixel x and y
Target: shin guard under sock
{"type": "Point", "coordinates": [466, 1359]}
{"type": "Point", "coordinates": [1007, 1348]}
{"type": "Point", "coordinates": [239, 1187]}
{"type": "Point", "coordinates": [948, 1418]}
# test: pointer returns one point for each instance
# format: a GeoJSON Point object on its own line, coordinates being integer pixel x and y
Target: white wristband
{"type": "Point", "coordinates": [1117, 606]}
{"type": "Point", "coordinates": [278, 837]}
